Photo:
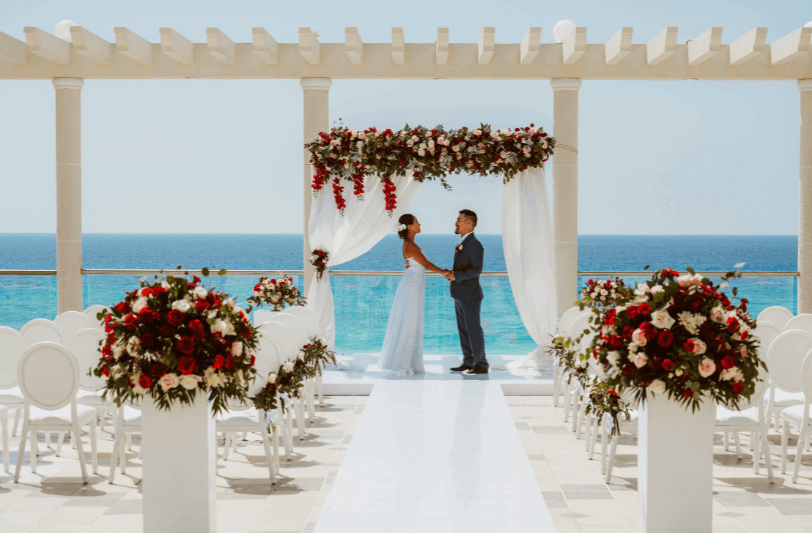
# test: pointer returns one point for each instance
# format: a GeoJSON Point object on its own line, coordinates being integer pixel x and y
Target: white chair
{"type": "Point", "coordinates": [85, 347]}
{"type": "Point", "coordinates": [574, 391]}
{"type": "Point", "coordinates": [299, 328]}
{"type": "Point", "coordinates": [311, 321]}
{"type": "Point", "coordinates": [765, 332]}
{"type": "Point", "coordinates": [263, 315]}
{"type": "Point", "coordinates": [48, 375]}
{"type": "Point", "coordinates": [72, 321]}
{"type": "Point", "coordinates": [626, 424]}
{"type": "Point", "coordinates": [39, 330]}
{"type": "Point", "coordinates": [244, 418]}
{"type": "Point", "coordinates": [802, 322]}
{"type": "Point", "coordinates": [749, 417]}
{"type": "Point", "coordinates": [127, 421]}
{"type": "Point", "coordinates": [286, 342]}
{"type": "Point", "coordinates": [94, 310]}
{"type": "Point", "coordinates": [784, 360]}
{"type": "Point", "coordinates": [776, 314]}
{"type": "Point", "coordinates": [4, 427]}
{"type": "Point", "coordinates": [563, 329]}
{"type": "Point", "coordinates": [798, 415]}
{"type": "Point", "coordinates": [268, 351]}
{"type": "Point", "coordinates": [12, 346]}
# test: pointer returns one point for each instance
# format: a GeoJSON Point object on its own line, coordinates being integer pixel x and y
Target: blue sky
{"type": "Point", "coordinates": [198, 156]}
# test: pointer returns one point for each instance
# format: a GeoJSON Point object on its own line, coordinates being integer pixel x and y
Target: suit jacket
{"type": "Point", "coordinates": [467, 268]}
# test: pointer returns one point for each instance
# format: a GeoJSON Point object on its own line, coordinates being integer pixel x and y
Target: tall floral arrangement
{"type": "Point", "coordinates": [682, 336]}
{"type": "Point", "coordinates": [349, 155]}
{"type": "Point", "coordinates": [173, 339]}
{"type": "Point", "coordinates": [277, 292]}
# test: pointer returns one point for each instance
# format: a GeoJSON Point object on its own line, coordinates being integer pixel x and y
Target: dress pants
{"type": "Point", "coordinates": [472, 338]}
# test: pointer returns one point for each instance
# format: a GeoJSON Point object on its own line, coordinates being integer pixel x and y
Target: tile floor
{"type": "Point", "coordinates": [54, 500]}
{"type": "Point", "coordinates": [579, 500]}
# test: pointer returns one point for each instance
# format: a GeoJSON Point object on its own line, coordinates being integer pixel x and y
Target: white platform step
{"type": "Point", "coordinates": [435, 456]}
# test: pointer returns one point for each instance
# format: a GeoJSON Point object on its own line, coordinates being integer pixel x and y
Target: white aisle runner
{"type": "Point", "coordinates": [435, 456]}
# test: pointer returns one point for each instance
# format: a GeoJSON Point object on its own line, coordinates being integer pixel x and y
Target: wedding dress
{"type": "Point", "coordinates": [403, 343]}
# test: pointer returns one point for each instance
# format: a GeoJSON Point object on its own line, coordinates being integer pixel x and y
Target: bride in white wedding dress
{"type": "Point", "coordinates": [403, 344]}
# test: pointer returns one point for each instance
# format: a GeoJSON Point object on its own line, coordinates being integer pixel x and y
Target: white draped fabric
{"type": "Point", "coordinates": [346, 237]}
{"type": "Point", "coordinates": [527, 239]}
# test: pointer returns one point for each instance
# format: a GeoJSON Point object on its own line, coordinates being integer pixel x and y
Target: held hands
{"type": "Point", "coordinates": [448, 274]}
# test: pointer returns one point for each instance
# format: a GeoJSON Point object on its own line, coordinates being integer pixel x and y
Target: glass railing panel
{"type": "Point", "coordinates": [24, 298]}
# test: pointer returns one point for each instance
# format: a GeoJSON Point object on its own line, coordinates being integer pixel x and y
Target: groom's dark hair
{"type": "Point", "coordinates": [470, 215]}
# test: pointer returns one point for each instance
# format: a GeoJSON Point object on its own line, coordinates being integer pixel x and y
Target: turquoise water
{"type": "Point", "coordinates": [363, 303]}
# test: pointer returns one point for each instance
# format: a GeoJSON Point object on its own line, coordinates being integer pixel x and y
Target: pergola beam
{"type": "Point", "coordinates": [221, 46]}
{"type": "Point", "coordinates": [355, 46]}
{"type": "Point", "coordinates": [134, 46]}
{"type": "Point", "coordinates": [662, 47]}
{"type": "Point", "coordinates": [485, 45]}
{"type": "Point", "coordinates": [791, 46]}
{"type": "Point", "coordinates": [177, 46]}
{"type": "Point", "coordinates": [398, 46]}
{"type": "Point", "coordinates": [47, 46]}
{"type": "Point", "coordinates": [441, 47]}
{"type": "Point", "coordinates": [13, 50]}
{"type": "Point", "coordinates": [309, 45]}
{"type": "Point", "coordinates": [619, 46]}
{"type": "Point", "coordinates": [748, 46]}
{"type": "Point", "coordinates": [705, 46]}
{"type": "Point", "coordinates": [574, 45]}
{"type": "Point", "coordinates": [531, 45]}
{"type": "Point", "coordinates": [90, 45]}
{"type": "Point", "coordinates": [265, 46]}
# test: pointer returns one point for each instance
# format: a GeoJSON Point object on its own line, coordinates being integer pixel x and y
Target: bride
{"type": "Point", "coordinates": [403, 343]}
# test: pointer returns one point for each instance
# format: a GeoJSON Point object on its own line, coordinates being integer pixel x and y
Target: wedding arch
{"type": "Point", "coordinates": [386, 170]}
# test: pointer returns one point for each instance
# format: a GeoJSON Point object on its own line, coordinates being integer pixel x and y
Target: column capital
{"type": "Point", "coordinates": [805, 85]}
{"type": "Point", "coordinates": [565, 84]}
{"type": "Point", "coordinates": [68, 83]}
{"type": "Point", "coordinates": [315, 84]}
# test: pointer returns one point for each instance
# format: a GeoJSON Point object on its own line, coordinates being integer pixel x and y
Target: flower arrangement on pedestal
{"type": "Point", "coordinates": [680, 335]}
{"type": "Point", "coordinates": [174, 339]}
{"type": "Point", "coordinates": [319, 260]}
{"type": "Point", "coordinates": [344, 154]}
{"type": "Point", "coordinates": [278, 292]}
{"type": "Point", "coordinates": [596, 292]}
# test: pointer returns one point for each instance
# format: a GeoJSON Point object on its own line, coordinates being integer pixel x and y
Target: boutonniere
{"type": "Point", "coordinates": [459, 248]}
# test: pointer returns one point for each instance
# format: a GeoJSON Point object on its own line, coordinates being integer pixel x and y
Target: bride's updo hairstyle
{"type": "Point", "coordinates": [406, 219]}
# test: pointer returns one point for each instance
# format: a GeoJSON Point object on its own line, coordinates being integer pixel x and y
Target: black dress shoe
{"type": "Point", "coordinates": [461, 368]}
{"type": "Point", "coordinates": [478, 370]}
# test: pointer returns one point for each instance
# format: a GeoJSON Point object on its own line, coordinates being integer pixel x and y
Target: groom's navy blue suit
{"type": "Point", "coordinates": [467, 294]}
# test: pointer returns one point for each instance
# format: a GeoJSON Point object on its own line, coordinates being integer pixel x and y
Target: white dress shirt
{"type": "Point", "coordinates": [463, 238]}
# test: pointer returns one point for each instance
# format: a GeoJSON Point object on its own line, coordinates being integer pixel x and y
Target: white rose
{"type": "Point", "coordinates": [271, 378]}
{"type": "Point", "coordinates": [640, 360]}
{"type": "Point", "coordinates": [447, 143]}
{"type": "Point", "coordinates": [165, 285]}
{"type": "Point", "coordinates": [300, 355]}
{"type": "Point", "coordinates": [181, 305]}
{"type": "Point", "coordinates": [189, 381]}
{"type": "Point", "coordinates": [137, 388]}
{"type": "Point", "coordinates": [313, 257]}
{"type": "Point", "coordinates": [289, 366]}
{"type": "Point", "coordinates": [362, 135]}
{"type": "Point", "coordinates": [706, 367]}
{"type": "Point", "coordinates": [168, 381]}
{"type": "Point", "coordinates": [354, 134]}
{"type": "Point", "coordinates": [604, 292]}
{"type": "Point", "coordinates": [322, 340]}
{"type": "Point", "coordinates": [229, 302]}
{"type": "Point", "coordinates": [657, 386]}
{"type": "Point", "coordinates": [236, 349]}
{"type": "Point", "coordinates": [422, 146]}
{"type": "Point", "coordinates": [613, 357]}
{"type": "Point", "coordinates": [534, 130]}
{"type": "Point", "coordinates": [118, 350]}
{"type": "Point", "coordinates": [657, 288]}
{"type": "Point", "coordinates": [359, 144]}
{"type": "Point", "coordinates": [717, 314]}
{"type": "Point", "coordinates": [132, 346]}
{"type": "Point", "coordinates": [421, 152]}
{"type": "Point", "coordinates": [642, 289]}
{"type": "Point", "coordinates": [431, 144]}
{"type": "Point", "coordinates": [200, 292]}
{"type": "Point", "coordinates": [699, 346]}
{"type": "Point", "coordinates": [662, 319]}
{"type": "Point", "coordinates": [685, 280]}
{"type": "Point", "coordinates": [220, 326]}
{"type": "Point", "coordinates": [415, 138]}
{"type": "Point", "coordinates": [139, 304]}
{"type": "Point", "coordinates": [639, 338]}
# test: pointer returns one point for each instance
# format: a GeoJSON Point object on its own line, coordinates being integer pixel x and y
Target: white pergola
{"type": "Point", "coordinates": [82, 55]}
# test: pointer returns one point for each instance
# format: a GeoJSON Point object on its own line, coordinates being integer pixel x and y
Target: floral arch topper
{"type": "Point", "coordinates": [349, 155]}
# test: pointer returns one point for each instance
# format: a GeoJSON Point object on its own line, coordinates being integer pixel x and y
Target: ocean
{"type": "Point", "coordinates": [363, 302]}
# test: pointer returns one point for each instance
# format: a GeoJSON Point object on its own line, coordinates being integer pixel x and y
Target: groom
{"type": "Point", "coordinates": [467, 294]}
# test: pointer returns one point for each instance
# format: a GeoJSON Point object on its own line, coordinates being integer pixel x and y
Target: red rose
{"type": "Point", "coordinates": [728, 362]}
{"type": "Point", "coordinates": [197, 330]}
{"type": "Point", "coordinates": [196, 279]}
{"type": "Point", "coordinates": [629, 369]}
{"type": "Point", "coordinates": [737, 388]}
{"type": "Point", "coordinates": [147, 315]}
{"type": "Point", "coordinates": [732, 324]}
{"type": "Point", "coordinates": [186, 344]}
{"type": "Point", "coordinates": [665, 338]}
{"type": "Point", "coordinates": [668, 364]}
{"type": "Point", "coordinates": [745, 333]}
{"type": "Point", "coordinates": [201, 305]}
{"type": "Point", "coordinates": [166, 331]}
{"type": "Point", "coordinates": [122, 307]}
{"type": "Point", "coordinates": [230, 362]}
{"type": "Point", "coordinates": [648, 330]}
{"type": "Point", "coordinates": [186, 365]}
{"type": "Point", "coordinates": [106, 350]}
{"type": "Point", "coordinates": [145, 381]}
{"type": "Point", "coordinates": [104, 371]}
{"type": "Point", "coordinates": [218, 362]}
{"type": "Point", "coordinates": [615, 341]}
{"type": "Point", "coordinates": [253, 360]}
{"type": "Point", "coordinates": [175, 317]}
{"type": "Point", "coordinates": [130, 321]}
{"type": "Point", "coordinates": [158, 370]}
{"type": "Point", "coordinates": [111, 337]}
{"type": "Point", "coordinates": [158, 290]}
{"type": "Point", "coordinates": [147, 340]}
{"type": "Point", "coordinates": [146, 291]}
{"type": "Point", "coordinates": [627, 332]}
{"type": "Point", "coordinates": [688, 345]}
{"type": "Point", "coordinates": [632, 312]}
{"type": "Point", "coordinates": [643, 308]}
{"type": "Point", "coordinates": [688, 393]}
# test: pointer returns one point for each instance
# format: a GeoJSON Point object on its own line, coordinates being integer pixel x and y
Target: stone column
{"type": "Point", "coordinates": [316, 119]}
{"type": "Point", "coordinates": [805, 201]}
{"type": "Point", "coordinates": [565, 189]}
{"type": "Point", "coordinates": [68, 194]}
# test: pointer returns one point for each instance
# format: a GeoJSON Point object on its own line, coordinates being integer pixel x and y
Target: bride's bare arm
{"type": "Point", "coordinates": [413, 252]}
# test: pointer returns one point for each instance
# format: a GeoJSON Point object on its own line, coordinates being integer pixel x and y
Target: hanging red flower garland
{"type": "Point", "coordinates": [350, 155]}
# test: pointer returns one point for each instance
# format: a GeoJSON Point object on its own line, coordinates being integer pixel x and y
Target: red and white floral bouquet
{"type": "Point", "coordinates": [319, 260]}
{"type": "Point", "coordinates": [174, 339]}
{"type": "Point", "coordinates": [596, 292]}
{"type": "Point", "coordinates": [278, 292]}
{"type": "Point", "coordinates": [680, 335]}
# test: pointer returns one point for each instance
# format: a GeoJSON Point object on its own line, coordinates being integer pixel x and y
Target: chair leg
{"type": "Point", "coordinates": [604, 447]}
{"type": "Point", "coordinates": [34, 450]}
{"type": "Point", "coordinates": [765, 447]}
{"type": "Point", "coordinates": [227, 445]}
{"type": "Point", "coordinates": [581, 416]}
{"type": "Point", "coordinates": [122, 456]}
{"type": "Point", "coordinates": [754, 442]}
{"type": "Point", "coordinates": [567, 402]}
{"type": "Point", "coordinates": [59, 438]}
{"type": "Point", "coordinates": [93, 456]}
{"type": "Point", "coordinates": [556, 381]}
{"type": "Point", "coordinates": [611, 462]}
{"type": "Point", "coordinates": [784, 444]}
{"type": "Point", "coordinates": [725, 440]}
{"type": "Point", "coordinates": [114, 458]}
{"type": "Point", "coordinates": [297, 403]}
{"type": "Point", "coordinates": [4, 424]}
{"type": "Point", "coordinates": [576, 398]}
{"type": "Point", "coordinates": [739, 451]}
{"type": "Point", "coordinates": [275, 442]}
{"type": "Point", "coordinates": [129, 441]}
{"type": "Point", "coordinates": [17, 414]}
{"type": "Point", "coordinates": [47, 435]}
{"type": "Point", "coordinates": [587, 429]}
{"type": "Point", "coordinates": [799, 452]}
{"type": "Point", "coordinates": [20, 453]}
{"type": "Point", "coordinates": [81, 451]}
{"type": "Point", "coordinates": [320, 389]}
{"type": "Point", "coordinates": [268, 457]}
{"type": "Point", "coordinates": [593, 442]}
{"type": "Point", "coordinates": [289, 435]}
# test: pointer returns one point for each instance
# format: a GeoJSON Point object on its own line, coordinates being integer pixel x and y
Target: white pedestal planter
{"type": "Point", "coordinates": [178, 451]}
{"type": "Point", "coordinates": [263, 315]}
{"type": "Point", "coordinates": [675, 461]}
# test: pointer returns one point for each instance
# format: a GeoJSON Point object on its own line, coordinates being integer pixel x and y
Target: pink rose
{"type": "Point", "coordinates": [706, 367]}
{"type": "Point", "coordinates": [640, 360]}
{"type": "Point", "coordinates": [639, 337]}
{"type": "Point", "coordinates": [685, 280]}
{"type": "Point", "coordinates": [168, 381]}
{"type": "Point", "coordinates": [278, 294]}
{"type": "Point", "coordinates": [503, 155]}
{"type": "Point", "coordinates": [699, 346]}
{"type": "Point", "coordinates": [236, 349]}
{"type": "Point", "coordinates": [716, 314]}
